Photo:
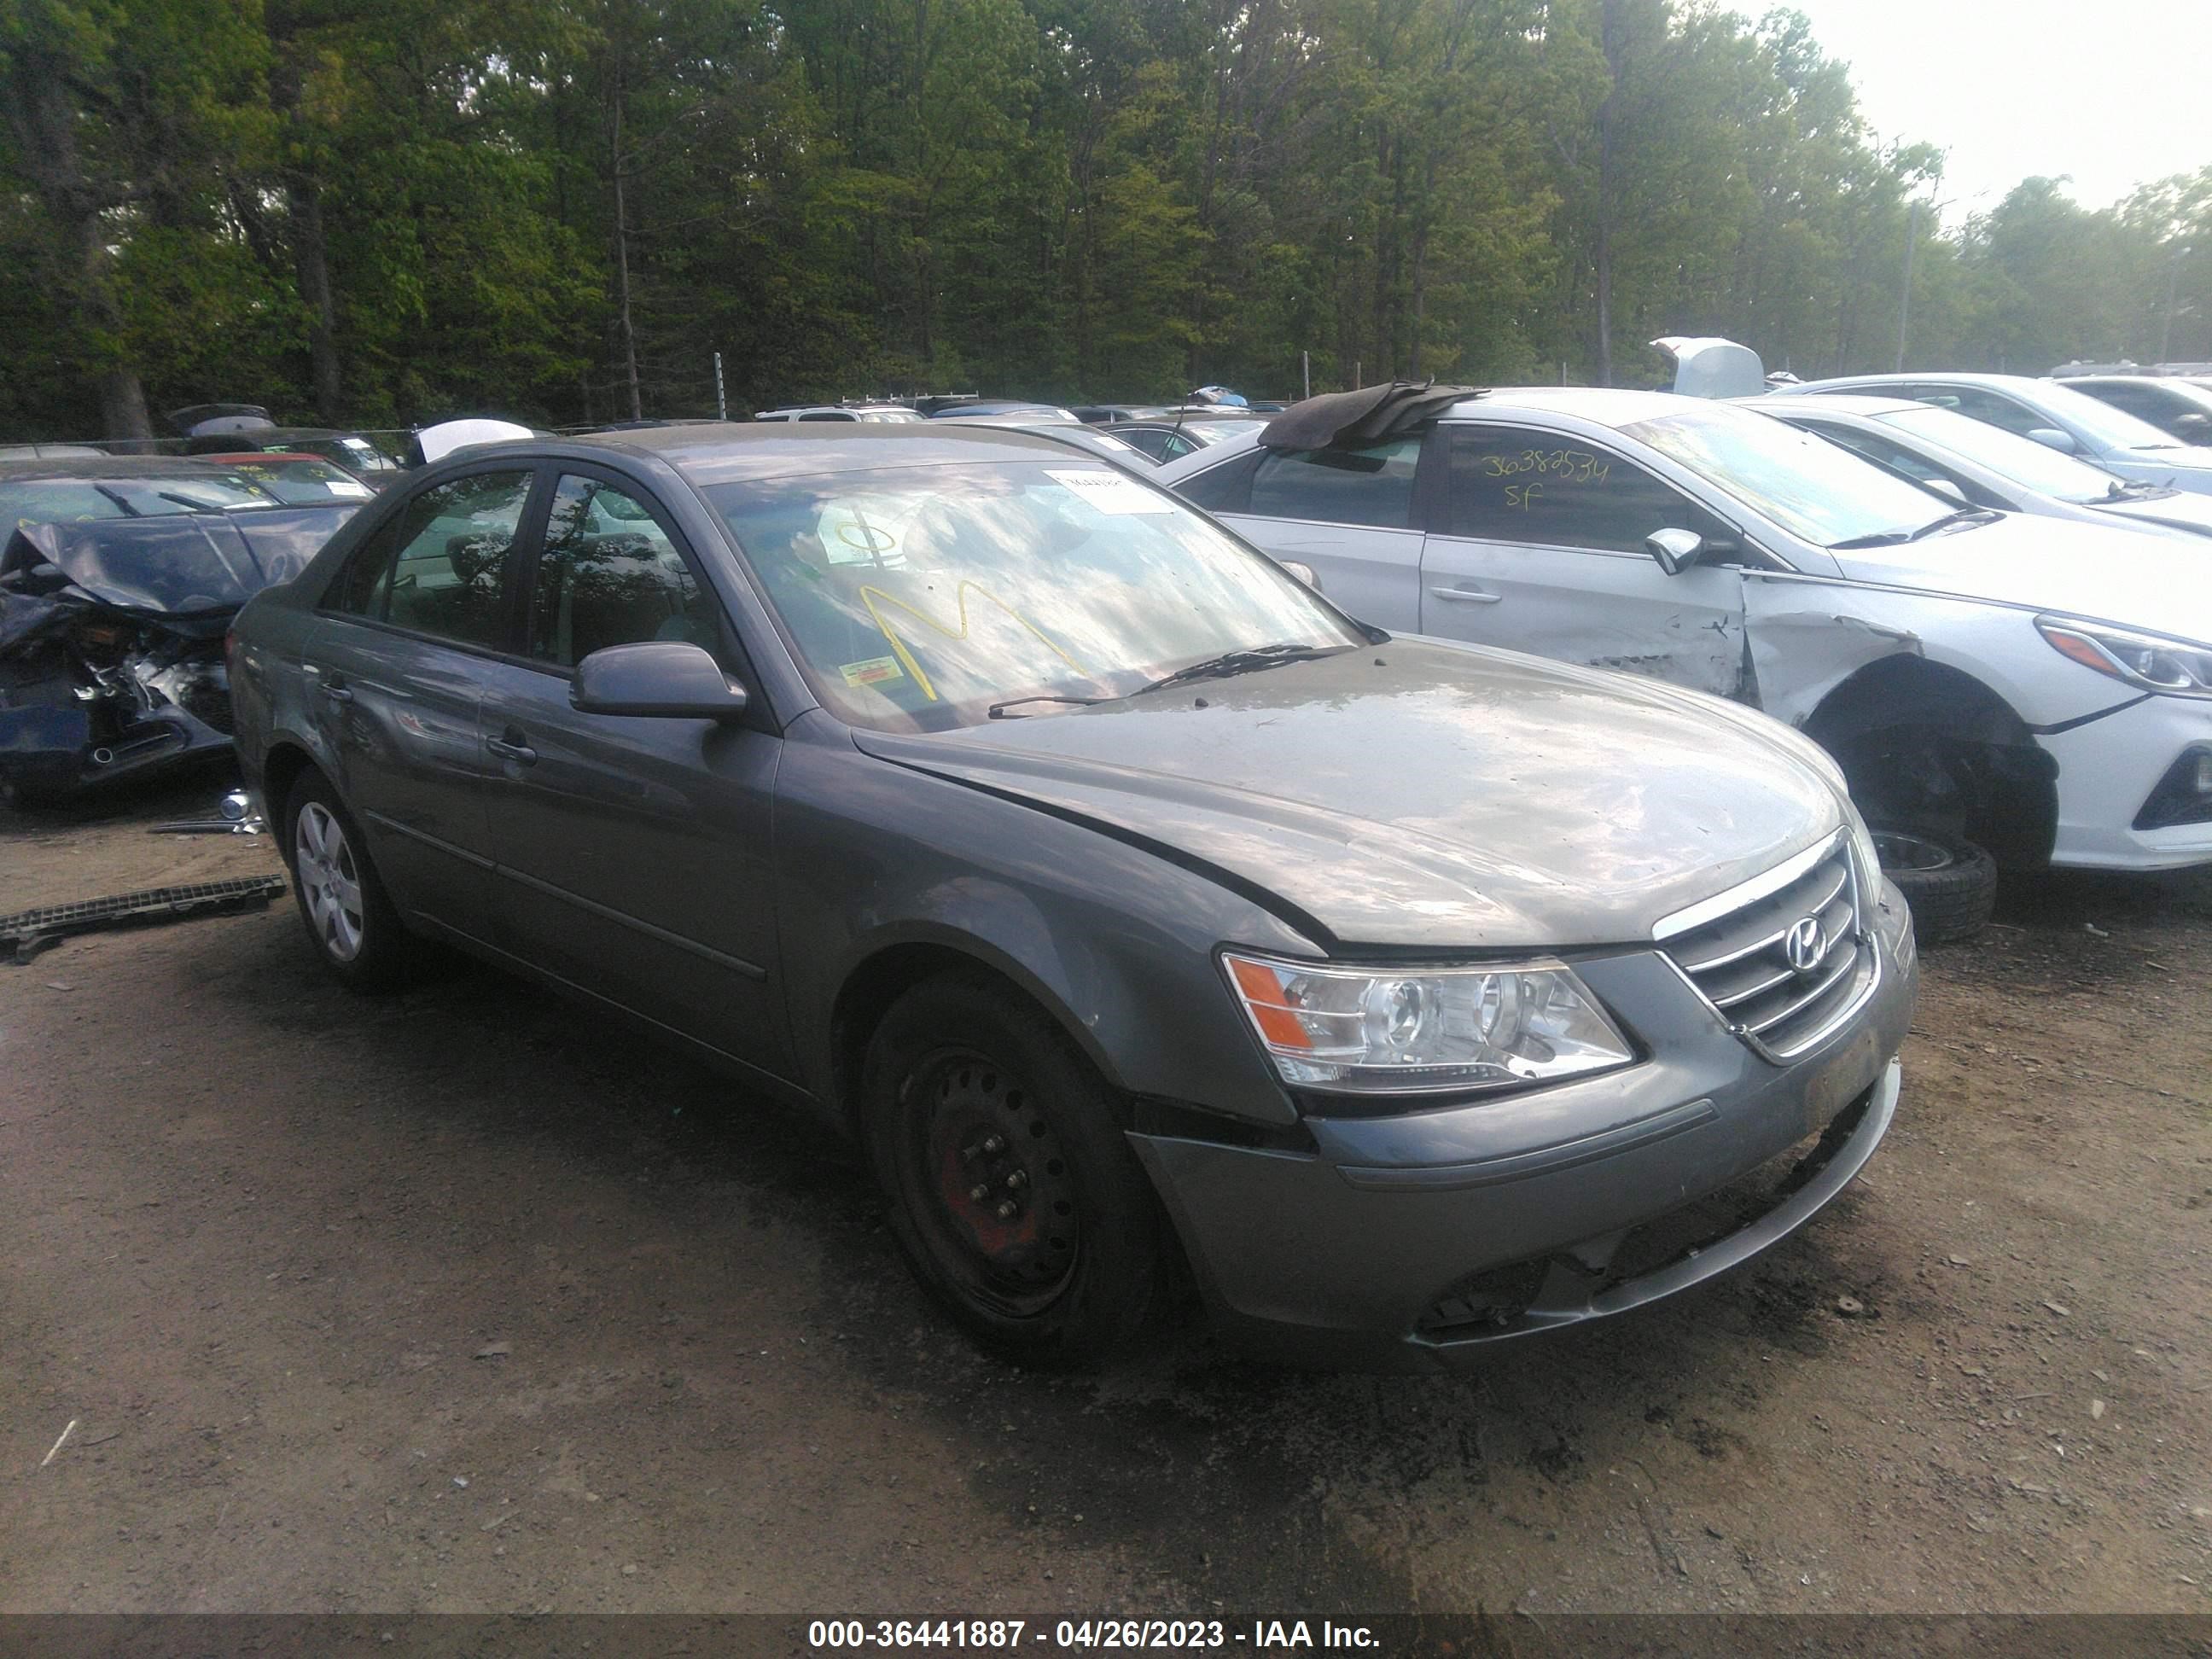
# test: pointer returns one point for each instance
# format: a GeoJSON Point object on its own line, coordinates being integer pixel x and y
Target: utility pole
{"type": "Point", "coordinates": [1905, 294]}
{"type": "Point", "coordinates": [2173, 288]}
{"type": "Point", "coordinates": [721, 401]}
{"type": "Point", "coordinates": [1305, 372]}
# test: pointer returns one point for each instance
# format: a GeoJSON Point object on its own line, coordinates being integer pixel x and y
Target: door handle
{"type": "Point", "coordinates": [521, 754]}
{"type": "Point", "coordinates": [336, 692]}
{"type": "Point", "coordinates": [1467, 595]}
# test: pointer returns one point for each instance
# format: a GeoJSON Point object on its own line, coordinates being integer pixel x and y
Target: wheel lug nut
{"type": "Point", "coordinates": [979, 1192]}
{"type": "Point", "coordinates": [995, 1144]}
{"type": "Point", "coordinates": [1008, 1209]}
{"type": "Point", "coordinates": [969, 1154]}
{"type": "Point", "coordinates": [1017, 1180]}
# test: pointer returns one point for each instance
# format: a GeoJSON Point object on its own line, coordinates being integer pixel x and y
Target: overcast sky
{"type": "Point", "coordinates": [2115, 94]}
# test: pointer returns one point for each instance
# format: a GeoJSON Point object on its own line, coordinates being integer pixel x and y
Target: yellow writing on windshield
{"type": "Point", "coordinates": [870, 595]}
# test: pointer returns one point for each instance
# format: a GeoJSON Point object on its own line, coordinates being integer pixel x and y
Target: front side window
{"type": "Point", "coordinates": [440, 567]}
{"type": "Point", "coordinates": [1516, 484]}
{"type": "Point", "coordinates": [610, 574]}
{"type": "Point", "coordinates": [1370, 486]}
{"type": "Point", "coordinates": [922, 598]}
{"type": "Point", "coordinates": [1815, 491]}
{"type": "Point", "coordinates": [1153, 440]}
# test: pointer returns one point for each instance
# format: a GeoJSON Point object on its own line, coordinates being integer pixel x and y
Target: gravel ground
{"type": "Point", "coordinates": [466, 1300]}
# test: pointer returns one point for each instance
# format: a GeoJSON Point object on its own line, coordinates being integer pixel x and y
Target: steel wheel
{"type": "Point", "coordinates": [1005, 1220]}
{"type": "Point", "coordinates": [330, 881]}
{"type": "Point", "coordinates": [1901, 849]}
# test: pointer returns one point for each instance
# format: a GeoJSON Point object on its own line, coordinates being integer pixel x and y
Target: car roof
{"type": "Point", "coordinates": [719, 452]}
{"type": "Point", "coordinates": [112, 466]}
{"type": "Point", "coordinates": [1607, 405]}
{"type": "Point", "coordinates": [1840, 403]}
{"type": "Point", "coordinates": [263, 457]}
{"type": "Point", "coordinates": [1934, 377]}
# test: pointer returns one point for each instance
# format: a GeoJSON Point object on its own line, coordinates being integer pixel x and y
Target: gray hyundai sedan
{"type": "Point", "coordinates": [1135, 909]}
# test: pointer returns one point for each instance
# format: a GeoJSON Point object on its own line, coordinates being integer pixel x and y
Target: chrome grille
{"type": "Point", "coordinates": [1737, 952]}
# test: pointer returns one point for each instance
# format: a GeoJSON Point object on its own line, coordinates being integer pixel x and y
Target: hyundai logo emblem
{"type": "Point", "coordinates": [1805, 945]}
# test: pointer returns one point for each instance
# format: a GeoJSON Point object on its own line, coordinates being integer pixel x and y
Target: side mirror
{"type": "Point", "coordinates": [1303, 571]}
{"type": "Point", "coordinates": [667, 678]}
{"type": "Point", "coordinates": [2194, 426]}
{"type": "Point", "coordinates": [1947, 490]}
{"type": "Point", "coordinates": [2051, 438]}
{"type": "Point", "coordinates": [1676, 550]}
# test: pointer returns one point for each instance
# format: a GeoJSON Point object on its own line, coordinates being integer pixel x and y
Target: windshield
{"type": "Point", "coordinates": [1817, 492]}
{"type": "Point", "coordinates": [2026, 462]}
{"type": "Point", "coordinates": [67, 500]}
{"type": "Point", "coordinates": [2107, 427]}
{"type": "Point", "coordinates": [303, 483]}
{"type": "Point", "coordinates": [917, 599]}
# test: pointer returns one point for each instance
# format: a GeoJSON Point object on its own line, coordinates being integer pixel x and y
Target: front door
{"type": "Point", "coordinates": [632, 852]}
{"type": "Point", "coordinates": [395, 669]}
{"type": "Point", "coordinates": [1541, 549]}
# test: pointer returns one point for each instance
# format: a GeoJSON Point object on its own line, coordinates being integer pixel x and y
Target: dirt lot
{"type": "Point", "coordinates": [465, 1300]}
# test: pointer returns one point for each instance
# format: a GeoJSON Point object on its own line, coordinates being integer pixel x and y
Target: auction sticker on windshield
{"type": "Point", "coordinates": [1109, 492]}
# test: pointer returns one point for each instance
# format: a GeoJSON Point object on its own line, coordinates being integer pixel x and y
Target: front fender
{"type": "Point", "coordinates": [1116, 943]}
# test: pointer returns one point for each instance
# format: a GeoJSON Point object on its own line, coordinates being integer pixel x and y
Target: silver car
{"type": "Point", "coordinates": [2049, 411]}
{"type": "Point", "coordinates": [1127, 903]}
{"type": "Point", "coordinates": [1985, 465]}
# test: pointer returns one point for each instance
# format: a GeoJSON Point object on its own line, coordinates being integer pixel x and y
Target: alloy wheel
{"type": "Point", "coordinates": [329, 881]}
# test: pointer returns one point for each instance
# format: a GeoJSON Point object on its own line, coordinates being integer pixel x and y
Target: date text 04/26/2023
{"type": "Point", "coordinates": [1259, 1635]}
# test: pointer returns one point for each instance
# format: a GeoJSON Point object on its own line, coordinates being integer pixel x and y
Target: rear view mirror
{"type": "Point", "coordinates": [2051, 438]}
{"type": "Point", "coordinates": [666, 677]}
{"type": "Point", "coordinates": [1304, 572]}
{"type": "Point", "coordinates": [1676, 550]}
{"type": "Point", "coordinates": [2194, 426]}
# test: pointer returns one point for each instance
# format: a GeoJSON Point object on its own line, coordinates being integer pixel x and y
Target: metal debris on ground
{"type": "Point", "coordinates": [236, 817]}
{"type": "Point", "coordinates": [25, 934]}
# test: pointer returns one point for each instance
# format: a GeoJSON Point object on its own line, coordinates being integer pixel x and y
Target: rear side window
{"type": "Point", "coordinates": [440, 567]}
{"type": "Point", "coordinates": [610, 574]}
{"type": "Point", "coordinates": [1226, 488]}
{"type": "Point", "coordinates": [1511, 484]}
{"type": "Point", "coordinates": [1986, 407]}
{"type": "Point", "coordinates": [1371, 486]}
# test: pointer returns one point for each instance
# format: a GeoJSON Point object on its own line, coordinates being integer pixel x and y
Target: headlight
{"type": "Point", "coordinates": [1380, 1030]}
{"type": "Point", "coordinates": [2142, 660]}
{"type": "Point", "coordinates": [1864, 854]}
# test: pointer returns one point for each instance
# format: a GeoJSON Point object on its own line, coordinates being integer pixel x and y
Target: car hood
{"type": "Point", "coordinates": [2153, 582]}
{"type": "Point", "coordinates": [184, 565]}
{"type": "Point", "coordinates": [1420, 795]}
{"type": "Point", "coordinates": [2184, 466]}
{"type": "Point", "coordinates": [2181, 510]}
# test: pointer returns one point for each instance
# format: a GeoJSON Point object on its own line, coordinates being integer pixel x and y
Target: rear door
{"type": "Point", "coordinates": [1540, 548]}
{"type": "Point", "coordinates": [634, 852]}
{"type": "Point", "coordinates": [394, 670]}
{"type": "Point", "coordinates": [1349, 514]}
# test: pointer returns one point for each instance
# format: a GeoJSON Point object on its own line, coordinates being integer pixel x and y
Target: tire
{"type": "Point", "coordinates": [1951, 884]}
{"type": "Point", "coordinates": [1064, 1274]}
{"type": "Point", "coordinates": [349, 918]}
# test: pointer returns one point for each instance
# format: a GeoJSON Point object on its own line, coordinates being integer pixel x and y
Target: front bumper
{"type": "Point", "coordinates": [1411, 1242]}
{"type": "Point", "coordinates": [54, 750]}
{"type": "Point", "coordinates": [2108, 769]}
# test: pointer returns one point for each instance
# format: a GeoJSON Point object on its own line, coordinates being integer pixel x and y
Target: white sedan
{"type": "Point", "coordinates": [2044, 687]}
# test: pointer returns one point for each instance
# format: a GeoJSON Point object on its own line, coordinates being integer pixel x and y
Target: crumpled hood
{"type": "Point", "coordinates": [1421, 795]}
{"type": "Point", "coordinates": [2160, 584]}
{"type": "Point", "coordinates": [183, 564]}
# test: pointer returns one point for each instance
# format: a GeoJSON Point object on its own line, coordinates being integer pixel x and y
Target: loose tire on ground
{"type": "Point", "coordinates": [352, 920]}
{"type": "Point", "coordinates": [1014, 1195]}
{"type": "Point", "coordinates": [1951, 884]}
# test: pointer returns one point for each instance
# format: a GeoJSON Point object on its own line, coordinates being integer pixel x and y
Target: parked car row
{"type": "Point", "coordinates": [1425, 867]}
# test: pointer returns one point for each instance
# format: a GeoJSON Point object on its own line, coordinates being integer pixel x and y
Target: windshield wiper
{"type": "Point", "coordinates": [1239, 662]}
{"type": "Point", "coordinates": [187, 503]}
{"type": "Point", "coordinates": [1880, 538]}
{"type": "Point", "coordinates": [997, 711]}
{"type": "Point", "coordinates": [1964, 515]}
